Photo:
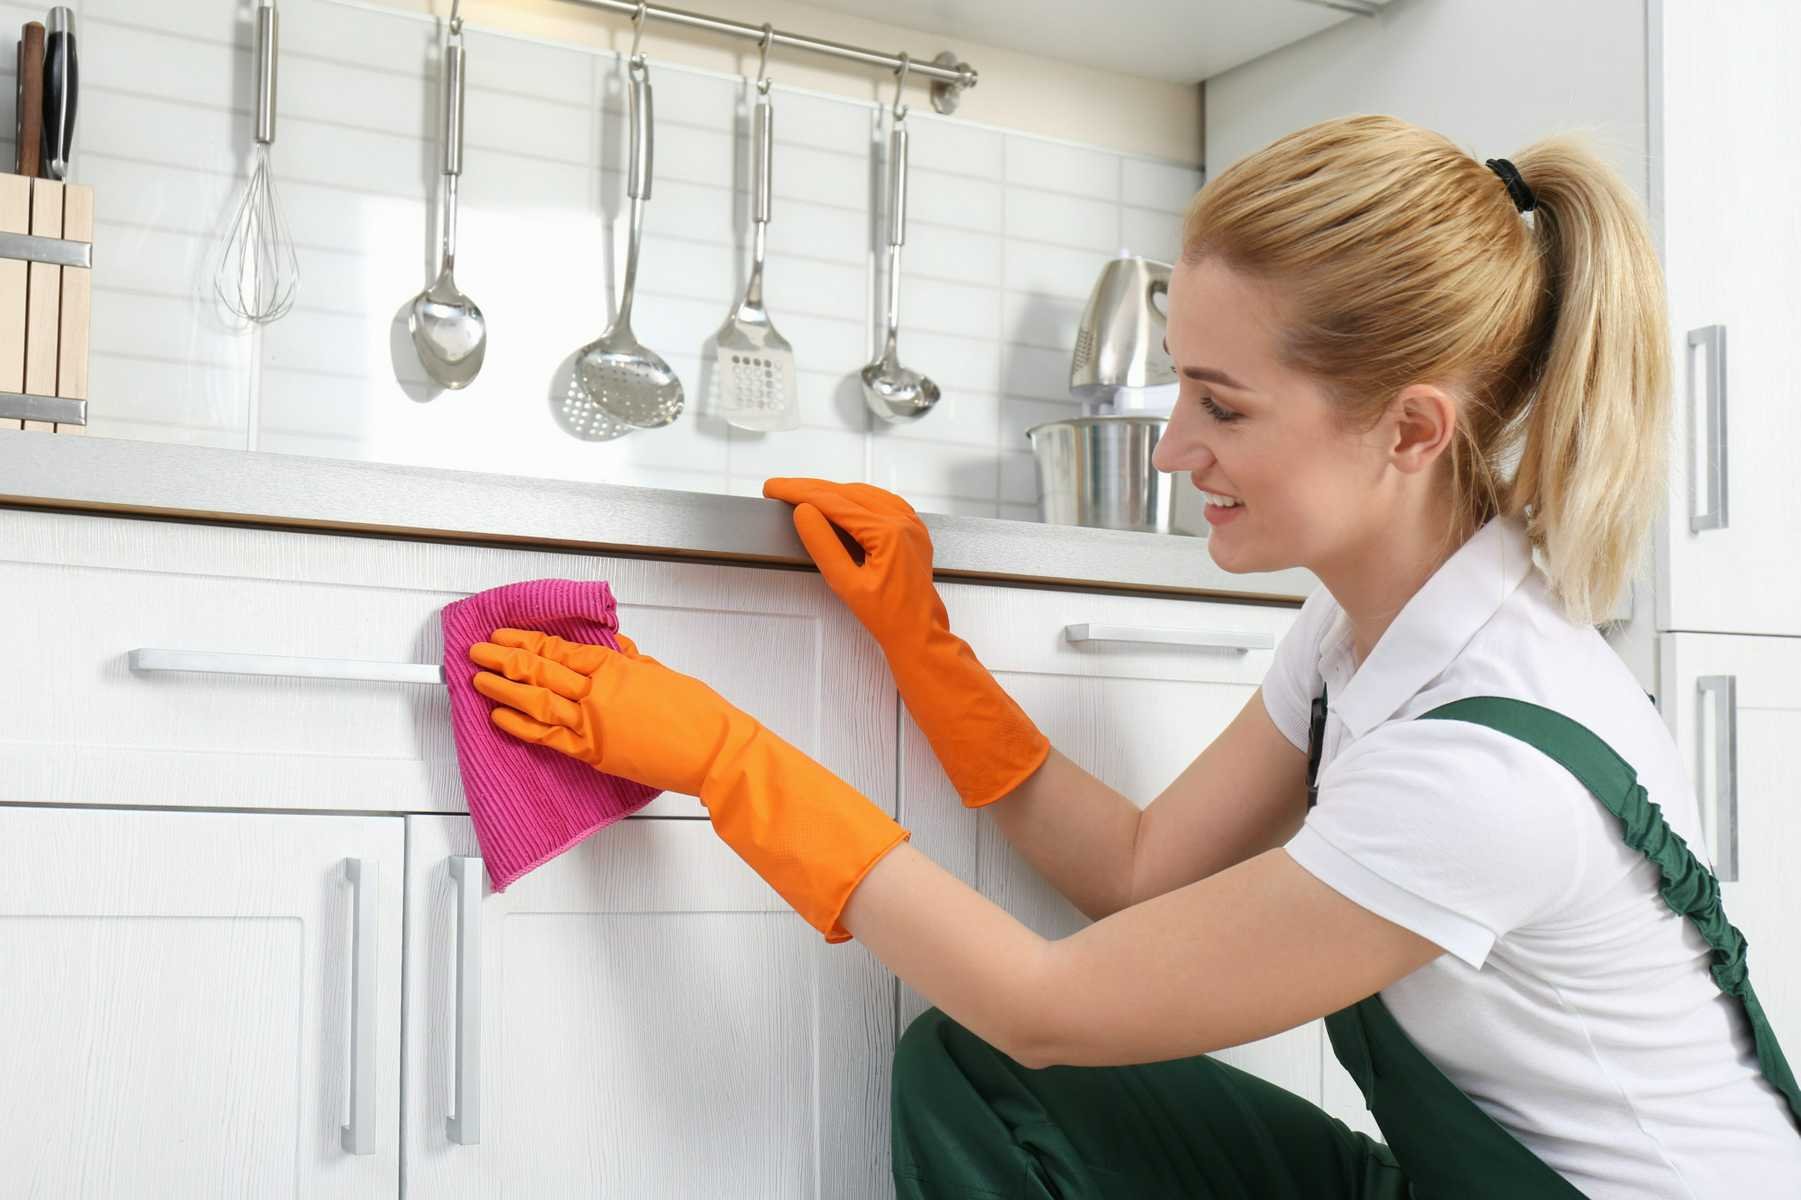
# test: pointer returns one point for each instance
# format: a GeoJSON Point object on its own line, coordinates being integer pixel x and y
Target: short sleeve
{"type": "Point", "coordinates": [1293, 679]}
{"type": "Point", "coordinates": [1455, 831]}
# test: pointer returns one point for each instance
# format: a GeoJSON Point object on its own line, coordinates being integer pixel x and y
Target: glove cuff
{"type": "Point", "coordinates": [985, 742]}
{"type": "Point", "coordinates": [809, 834]}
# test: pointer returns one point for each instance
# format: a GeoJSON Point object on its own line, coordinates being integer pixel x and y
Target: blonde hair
{"type": "Point", "coordinates": [1401, 259]}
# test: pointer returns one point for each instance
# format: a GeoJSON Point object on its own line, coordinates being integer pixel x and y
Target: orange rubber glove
{"type": "Point", "coordinates": [808, 833]}
{"type": "Point", "coordinates": [984, 741]}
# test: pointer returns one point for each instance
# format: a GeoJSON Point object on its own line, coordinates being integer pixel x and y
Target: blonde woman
{"type": "Point", "coordinates": [1450, 822]}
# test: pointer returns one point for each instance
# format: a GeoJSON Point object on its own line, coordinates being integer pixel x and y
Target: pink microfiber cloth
{"type": "Point", "coordinates": [529, 803]}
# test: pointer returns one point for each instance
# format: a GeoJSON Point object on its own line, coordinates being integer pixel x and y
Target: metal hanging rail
{"type": "Point", "coordinates": [949, 77]}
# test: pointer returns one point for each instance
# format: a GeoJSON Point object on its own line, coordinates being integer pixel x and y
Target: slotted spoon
{"type": "Point", "coordinates": [615, 375]}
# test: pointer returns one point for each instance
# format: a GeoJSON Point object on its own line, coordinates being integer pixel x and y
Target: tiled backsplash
{"type": "Point", "coordinates": [1006, 235]}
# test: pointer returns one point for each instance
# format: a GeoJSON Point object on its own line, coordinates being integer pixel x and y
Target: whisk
{"type": "Point", "coordinates": [258, 271]}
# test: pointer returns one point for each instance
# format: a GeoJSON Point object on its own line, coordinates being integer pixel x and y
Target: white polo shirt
{"type": "Point", "coordinates": [1573, 1006]}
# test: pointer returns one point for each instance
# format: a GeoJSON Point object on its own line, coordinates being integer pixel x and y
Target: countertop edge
{"type": "Point", "coordinates": [84, 473]}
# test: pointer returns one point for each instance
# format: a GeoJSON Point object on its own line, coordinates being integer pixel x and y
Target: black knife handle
{"type": "Point", "coordinates": [60, 88]}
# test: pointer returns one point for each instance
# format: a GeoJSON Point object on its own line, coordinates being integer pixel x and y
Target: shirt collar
{"type": "Point", "coordinates": [1432, 628]}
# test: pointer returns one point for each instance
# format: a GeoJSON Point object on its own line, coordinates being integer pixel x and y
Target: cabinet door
{"type": "Point", "coordinates": [1732, 253]}
{"type": "Point", "coordinates": [1731, 704]}
{"type": "Point", "coordinates": [642, 1017]}
{"type": "Point", "coordinates": [1133, 704]}
{"type": "Point", "coordinates": [199, 1004]}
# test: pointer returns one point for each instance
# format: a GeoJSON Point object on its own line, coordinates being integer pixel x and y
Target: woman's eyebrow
{"type": "Point", "coordinates": [1209, 374]}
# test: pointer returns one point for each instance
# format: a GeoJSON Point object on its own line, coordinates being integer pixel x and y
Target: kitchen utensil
{"type": "Point", "coordinates": [28, 112]}
{"type": "Point", "coordinates": [754, 364]}
{"type": "Point", "coordinates": [1097, 471]}
{"type": "Point", "coordinates": [893, 392]}
{"type": "Point", "coordinates": [616, 373]}
{"type": "Point", "coordinates": [59, 92]}
{"type": "Point", "coordinates": [447, 326]}
{"type": "Point", "coordinates": [1119, 343]}
{"type": "Point", "coordinates": [258, 272]}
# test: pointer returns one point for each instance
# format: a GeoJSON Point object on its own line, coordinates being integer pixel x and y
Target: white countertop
{"type": "Point", "coordinates": [75, 472]}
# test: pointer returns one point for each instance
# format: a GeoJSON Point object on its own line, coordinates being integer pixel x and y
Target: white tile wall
{"type": "Point", "coordinates": [1005, 236]}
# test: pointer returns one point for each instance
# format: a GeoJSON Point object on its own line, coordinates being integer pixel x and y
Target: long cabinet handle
{"type": "Point", "coordinates": [464, 1126]}
{"type": "Point", "coordinates": [359, 1135]}
{"type": "Point", "coordinates": [1713, 337]}
{"type": "Point", "coordinates": [1725, 732]}
{"type": "Point", "coordinates": [1217, 639]}
{"type": "Point", "coordinates": [209, 662]}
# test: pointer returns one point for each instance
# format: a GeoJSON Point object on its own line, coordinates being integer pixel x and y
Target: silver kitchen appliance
{"type": "Point", "coordinates": [1120, 341]}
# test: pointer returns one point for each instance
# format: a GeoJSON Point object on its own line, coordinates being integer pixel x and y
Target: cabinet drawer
{"type": "Point", "coordinates": [79, 726]}
{"type": "Point", "coordinates": [1041, 631]}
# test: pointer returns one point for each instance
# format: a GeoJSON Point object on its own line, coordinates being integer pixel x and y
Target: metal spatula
{"type": "Point", "coordinates": [615, 373]}
{"type": "Point", "coordinates": [755, 364]}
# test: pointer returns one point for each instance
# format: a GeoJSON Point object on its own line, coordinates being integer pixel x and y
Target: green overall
{"type": "Point", "coordinates": [970, 1122]}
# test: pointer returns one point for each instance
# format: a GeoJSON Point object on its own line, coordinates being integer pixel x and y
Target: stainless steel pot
{"type": "Point", "coordinates": [1097, 471]}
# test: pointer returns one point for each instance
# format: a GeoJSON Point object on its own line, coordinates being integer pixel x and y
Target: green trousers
{"type": "Point", "coordinates": [969, 1123]}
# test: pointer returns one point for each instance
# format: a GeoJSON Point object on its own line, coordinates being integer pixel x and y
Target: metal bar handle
{"type": "Point", "coordinates": [1713, 338]}
{"type": "Point", "coordinates": [464, 1125]}
{"type": "Point", "coordinates": [762, 155]}
{"type": "Point", "coordinates": [358, 1136]}
{"type": "Point", "coordinates": [207, 662]}
{"type": "Point", "coordinates": [962, 75]}
{"type": "Point", "coordinates": [267, 31]}
{"type": "Point", "coordinates": [453, 105]}
{"type": "Point", "coordinates": [638, 183]}
{"type": "Point", "coordinates": [1214, 639]}
{"type": "Point", "coordinates": [1725, 732]}
{"type": "Point", "coordinates": [897, 185]}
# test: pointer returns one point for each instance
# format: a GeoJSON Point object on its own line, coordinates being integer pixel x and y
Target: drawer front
{"type": "Point", "coordinates": [79, 726]}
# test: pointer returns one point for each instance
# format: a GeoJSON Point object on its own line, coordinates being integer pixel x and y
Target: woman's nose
{"type": "Point", "coordinates": [1180, 448]}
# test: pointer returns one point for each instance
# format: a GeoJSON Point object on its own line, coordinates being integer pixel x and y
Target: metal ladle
{"type": "Point", "coordinates": [893, 392]}
{"type": "Point", "coordinates": [447, 327]}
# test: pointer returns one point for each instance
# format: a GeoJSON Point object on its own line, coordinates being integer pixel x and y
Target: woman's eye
{"type": "Point", "coordinates": [1223, 416]}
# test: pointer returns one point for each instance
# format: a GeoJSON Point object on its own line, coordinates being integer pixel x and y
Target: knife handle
{"type": "Point", "coordinates": [60, 81]}
{"type": "Point", "coordinates": [31, 99]}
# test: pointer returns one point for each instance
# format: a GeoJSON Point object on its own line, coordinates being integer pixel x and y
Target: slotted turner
{"type": "Point", "coordinates": [754, 364]}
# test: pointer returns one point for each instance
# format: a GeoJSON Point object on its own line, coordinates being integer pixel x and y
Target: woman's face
{"type": "Point", "coordinates": [1248, 427]}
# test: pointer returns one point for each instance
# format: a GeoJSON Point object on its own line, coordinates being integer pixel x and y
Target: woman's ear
{"type": "Point", "coordinates": [1423, 419]}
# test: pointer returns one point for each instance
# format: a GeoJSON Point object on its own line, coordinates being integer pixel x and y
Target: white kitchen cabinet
{"type": "Point", "coordinates": [82, 727]}
{"type": "Point", "coordinates": [1731, 704]}
{"type": "Point", "coordinates": [199, 1004]}
{"type": "Point", "coordinates": [642, 1017]}
{"type": "Point", "coordinates": [1724, 91]}
{"type": "Point", "coordinates": [1142, 689]}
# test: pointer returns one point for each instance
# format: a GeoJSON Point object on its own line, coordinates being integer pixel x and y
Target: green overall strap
{"type": "Point", "coordinates": [1689, 888]}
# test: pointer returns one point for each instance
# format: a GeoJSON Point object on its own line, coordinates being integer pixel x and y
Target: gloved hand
{"type": "Point", "coordinates": [985, 742]}
{"type": "Point", "coordinates": [808, 833]}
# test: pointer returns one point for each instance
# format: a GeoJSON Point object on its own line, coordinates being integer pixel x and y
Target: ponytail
{"type": "Point", "coordinates": [1594, 467]}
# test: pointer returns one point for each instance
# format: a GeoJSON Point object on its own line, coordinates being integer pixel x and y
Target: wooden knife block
{"type": "Point", "coordinates": [44, 306]}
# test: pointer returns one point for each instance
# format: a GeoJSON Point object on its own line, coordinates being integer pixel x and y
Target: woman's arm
{"type": "Point", "coordinates": [1253, 950]}
{"type": "Point", "coordinates": [1245, 793]}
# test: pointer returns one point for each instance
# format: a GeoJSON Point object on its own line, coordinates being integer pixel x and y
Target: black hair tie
{"type": "Point", "coordinates": [1523, 199]}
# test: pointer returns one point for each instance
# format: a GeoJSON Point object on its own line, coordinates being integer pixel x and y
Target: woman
{"type": "Point", "coordinates": [1404, 370]}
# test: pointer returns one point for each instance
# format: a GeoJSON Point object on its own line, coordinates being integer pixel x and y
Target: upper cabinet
{"type": "Point", "coordinates": [1726, 93]}
{"type": "Point", "coordinates": [1181, 41]}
